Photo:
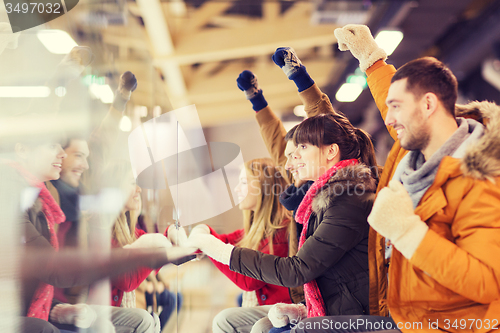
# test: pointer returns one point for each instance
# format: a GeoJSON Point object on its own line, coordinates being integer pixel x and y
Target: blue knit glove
{"type": "Point", "coordinates": [247, 82]}
{"type": "Point", "coordinates": [287, 60]}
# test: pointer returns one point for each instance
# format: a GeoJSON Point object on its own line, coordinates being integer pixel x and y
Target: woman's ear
{"type": "Point", "coordinates": [21, 150]}
{"type": "Point", "coordinates": [332, 152]}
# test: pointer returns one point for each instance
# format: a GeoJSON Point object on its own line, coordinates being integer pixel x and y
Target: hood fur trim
{"type": "Point", "coordinates": [482, 158]}
{"type": "Point", "coordinates": [355, 179]}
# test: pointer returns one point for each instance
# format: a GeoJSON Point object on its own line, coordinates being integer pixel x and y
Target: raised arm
{"type": "Point", "coordinates": [359, 40]}
{"type": "Point", "coordinates": [106, 141]}
{"type": "Point", "coordinates": [315, 101]}
{"type": "Point", "coordinates": [271, 128]}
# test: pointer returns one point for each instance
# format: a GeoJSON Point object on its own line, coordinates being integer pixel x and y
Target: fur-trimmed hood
{"type": "Point", "coordinates": [354, 180]}
{"type": "Point", "coordinates": [482, 158]}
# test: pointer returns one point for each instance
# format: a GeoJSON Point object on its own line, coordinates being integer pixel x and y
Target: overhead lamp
{"type": "Point", "coordinates": [89, 79]}
{"type": "Point", "coordinates": [348, 92]}
{"type": "Point", "coordinates": [60, 91]}
{"type": "Point", "coordinates": [141, 110]}
{"type": "Point", "coordinates": [56, 41]}
{"type": "Point", "coordinates": [125, 124]}
{"type": "Point", "coordinates": [24, 91]}
{"type": "Point", "coordinates": [102, 92]}
{"type": "Point", "coordinates": [156, 111]}
{"type": "Point", "coordinates": [358, 79]}
{"type": "Point", "coordinates": [388, 40]}
{"type": "Point", "coordinates": [300, 111]}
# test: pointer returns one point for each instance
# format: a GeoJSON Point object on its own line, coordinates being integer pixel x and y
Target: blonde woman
{"type": "Point", "coordinates": [266, 225]}
{"type": "Point", "coordinates": [125, 234]}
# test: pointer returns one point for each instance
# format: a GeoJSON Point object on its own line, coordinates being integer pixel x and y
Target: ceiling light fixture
{"type": "Point", "coordinates": [389, 40]}
{"type": "Point", "coordinates": [56, 41]}
{"type": "Point", "coordinates": [348, 92]}
{"type": "Point", "coordinates": [125, 124]}
{"type": "Point", "coordinates": [24, 91]}
{"type": "Point", "coordinates": [102, 92]}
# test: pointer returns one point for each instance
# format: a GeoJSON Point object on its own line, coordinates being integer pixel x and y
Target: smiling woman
{"type": "Point", "coordinates": [44, 161]}
{"type": "Point", "coordinates": [332, 260]}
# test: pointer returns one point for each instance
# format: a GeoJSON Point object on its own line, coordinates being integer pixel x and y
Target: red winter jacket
{"type": "Point", "coordinates": [129, 281]}
{"type": "Point", "coordinates": [267, 294]}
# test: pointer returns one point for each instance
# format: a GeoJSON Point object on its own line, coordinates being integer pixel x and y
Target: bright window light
{"type": "Point", "coordinates": [26, 91]}
{"type": "Point", "coordinates": [56, 41]}
{"type": "Point", "coordinates": [348, 92]}
{"type": "Point", "coordinates": [388, 40]}
{"type": "Point", "coordinates": [125, 124]}
{"type": "Point", "coordinates": [102, 92]}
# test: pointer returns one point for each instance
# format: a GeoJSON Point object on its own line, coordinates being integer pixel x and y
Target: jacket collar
{"type": "Point", "coordinates": [356, 179]}
{"type": "Point", "coordinates": [482, 158]}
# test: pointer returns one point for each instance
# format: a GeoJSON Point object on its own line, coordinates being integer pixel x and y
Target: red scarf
{"type": "Point", "coordinates": [314, 300]}
{"type": "Point", "coordinates": [42, 299]}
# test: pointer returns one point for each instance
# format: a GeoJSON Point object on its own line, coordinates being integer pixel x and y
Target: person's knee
{"type": "Point", "coordinates": [141, 320]}
{"type": "Point", "coordinates": [146, 322]}
{"type": "Point", "coordinates": [221, 324]}
{"type": "Point", "coordinates": [263, 325]}
{"type": "Point", "coordinates": [31, 325]}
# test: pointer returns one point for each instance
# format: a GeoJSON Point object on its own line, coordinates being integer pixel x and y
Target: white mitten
{"type": "Point", "coordinates": [177, 236]}
{"type": "Point", "coordinates": [211, 246]}
{"type": "Point", "coordinates": [281, 314]}
{"type": "Point", "coordinates": [80, 315]}
{"type": "Point", "coordinates": [358, 39]}
{"type": "Point", "coordinates": [392, 216]}
{"type": "Point", "coordinates": [150, 241]}
{"type": "Point", "coordinates": [200, 229]}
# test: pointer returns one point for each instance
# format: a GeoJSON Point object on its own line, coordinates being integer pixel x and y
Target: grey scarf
{"type": "Point", "coordinates": [417, 175]}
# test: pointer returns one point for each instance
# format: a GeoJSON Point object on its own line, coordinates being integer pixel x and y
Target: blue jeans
{"type": "Point", "coordinates": [284, 329]}
{"type": "Point", "coordinates": [168, 301]}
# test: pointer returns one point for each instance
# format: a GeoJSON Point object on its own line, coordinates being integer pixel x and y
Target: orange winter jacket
{"type": "Point", "coordinates": [452, 282]}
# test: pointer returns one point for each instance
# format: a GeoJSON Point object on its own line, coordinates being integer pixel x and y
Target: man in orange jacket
{"type": "Point", "coordinates": [437, 203]}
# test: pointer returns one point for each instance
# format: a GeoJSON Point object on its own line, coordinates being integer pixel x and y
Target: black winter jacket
{"type": "Point", "coordinates": [335, 252]}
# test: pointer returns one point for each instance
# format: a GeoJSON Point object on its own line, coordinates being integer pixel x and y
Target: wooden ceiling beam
{"type": "Point", "coordinates": [204, 14]}
{"type": "Point", "coordinates": [261, 39]}
{"type": "Point", "coordinates": [271, 11]}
